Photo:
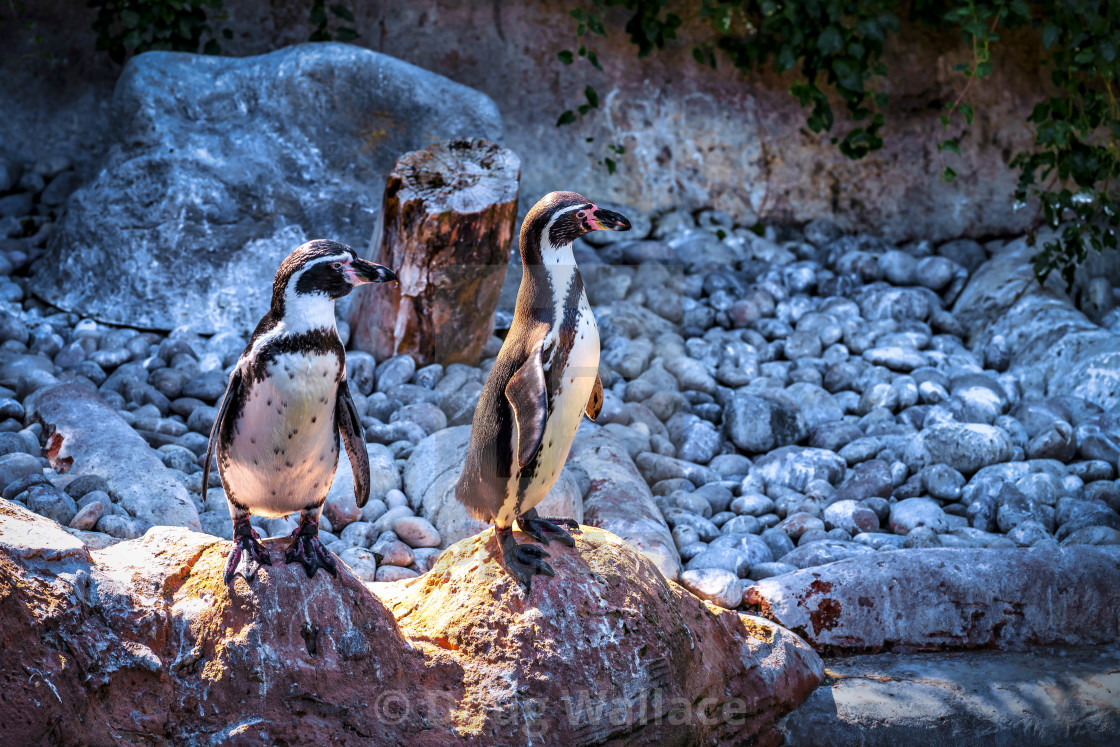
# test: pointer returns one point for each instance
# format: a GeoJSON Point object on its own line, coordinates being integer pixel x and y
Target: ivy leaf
{"type": "Point", "coordinates": [594, 60]}
{"type": "Point", "coordinates": [610, 164]}
{"type": "Point", "coordinates": [341, 11]}
{"type": "Point", "coordinates": [345, 35]}
{"type": "Point", "coordinates": [566, 56]}
{"type": "Point", "coordinates": [966, 110]}
{"type": "Point", "coordinates": [592, 97]}
{"type": "Point", "coordinates": [830, 41]}
{"type": "Point", "coordinates": [1050, 34]}
{"type": "Point", "coordinates": [698, 55]}
{"type": "Point", "coordinates": [948, 175]}
{"type": "Point", "coordinates": [566, 118]}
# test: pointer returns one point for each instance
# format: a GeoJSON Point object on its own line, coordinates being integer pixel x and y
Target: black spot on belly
{"type": "Point", "coordinates": [268, 403]}
{"type": "Point", "coordinates": [276, 450]}
{"type": "Point", "coordinates": [252, 440]}
{"type": "Point", "coordinates": [313, 418]}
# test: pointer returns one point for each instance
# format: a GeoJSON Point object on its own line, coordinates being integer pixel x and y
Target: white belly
{"type": "Point", "coordinates": [284, 449]}
{"type": "Point", "coordinates": [568, 407]}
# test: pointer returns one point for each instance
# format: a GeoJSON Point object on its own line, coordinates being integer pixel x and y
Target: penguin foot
{"type": "Point", "coordinates": [523, 561]}
{"type": "Point", "coordinates": [543, 530]}
{"type": "Point", "coordinates": [308, 551]}
{"type": "Point", "coordinates": [245, 539]}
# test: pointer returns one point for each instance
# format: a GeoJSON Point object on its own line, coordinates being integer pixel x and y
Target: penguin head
{"type": "Point", "coordinates": [323, 269]}
{"type": "Point", "coordinates": [560, 218]}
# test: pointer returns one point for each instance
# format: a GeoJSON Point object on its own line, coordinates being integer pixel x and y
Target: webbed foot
{"type": "Point", "coordinates": [544, 530]}
{"type": "Point", "coordinates": [523, 561]}
{"type": "Point", "coordinates": [308, 551]}
{"type": "Point", "coordinates": [245, 539]}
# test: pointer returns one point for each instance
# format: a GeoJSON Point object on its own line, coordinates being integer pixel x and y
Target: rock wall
{"type": "Point", "coordinates": [693, 137]}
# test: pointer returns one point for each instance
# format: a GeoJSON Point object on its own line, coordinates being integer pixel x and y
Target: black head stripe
{"type": "Point", "coordinates": [297, 260]}
{"type": "Point", "coordinates": [323, 278]}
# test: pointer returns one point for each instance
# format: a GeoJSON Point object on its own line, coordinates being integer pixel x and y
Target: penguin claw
{"type": "Point", "coordinates": [245, 539]}
{"type": "Point", "coordinates": [543, 530]}
{"type": "Point", "coordinates": [526, 561]}
{"type": "Point", "coordinates": [310, 553]}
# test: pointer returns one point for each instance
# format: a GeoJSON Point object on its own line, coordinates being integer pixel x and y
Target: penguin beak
{"type": "Point", "coordinates": [608, 220]}
{"type": "Point", "coordinates": [368, 272]}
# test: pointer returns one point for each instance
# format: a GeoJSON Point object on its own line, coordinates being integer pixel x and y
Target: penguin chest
{"type": "Point", "coordinates": [284, 447]}
{"type": "Point", "coordinates": [575, 382]}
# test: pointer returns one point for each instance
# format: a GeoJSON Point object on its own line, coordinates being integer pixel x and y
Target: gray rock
{"type": "Point", "coordinates": [754, 548]}
{"type": "Point", "coordinates": [91, 438]}
{"type": "Point", "coordinates": [741, 525]}
{"type": "Point", "coordinates": [868, 479]}
{"type": "Point", "coordinates": [796, 466]}
{"type": "Point", "coordinates": [942, 481]}
{"type": "Point", "coordinates": [825, 551]}
{"type": "Point", "coordinates": [757, 425]}
{"type": "Point", "coordinates": [720, 587]}
{"type": "Point", "coordinates": [389, 573]}
{"type": "Point", "coordinates": [361, 561]}
{"type": "Point", "coordinates": [778, 541]}
{"type": "Point", "coordinates": [17, 466]}
{"type": "Point", "coordinates": [752, 505]}
{"type": "Point", "coordinates": [965, 252]}
{"type": "Point", "coordinates": [394, 372]}
{"type": "Point", "coordinates": [1093, 535]}
{"type": "Point", "coordinates": [917, 512]}
{"type": "Point", "coordinates": [921, 537]}
{"type": "Point", "coordinates": [47, 500]}
{"type": "Point", "coordinates": [769, 570]}
{"type": "Point", "coordinates": [123, 527]}
{"type": "Point", "coordinates": [797, 524]}
{"type": "Point", "coordinates": [966, 447]}
{"type": "Point", "coordinates": [155, 200]}
{"type": "Point", "coordinates": [851, 516]}
{"type": "Point", "coordinates": [726, 558]}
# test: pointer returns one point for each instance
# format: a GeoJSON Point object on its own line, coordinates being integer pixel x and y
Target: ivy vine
{"type": "Point", "coordinates": [836, 46]}
{"type": "Point", "coordinates": [127, 27]}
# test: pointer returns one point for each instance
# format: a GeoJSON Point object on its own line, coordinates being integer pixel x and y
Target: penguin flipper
{"type": "Point", "coordinates": [233, 391]}
{"type": "Point", "coordinates": [528, 395]}
{"type": "Point", "coordinates": [595, 403]}
{"type": "Point", "coordinates": [353, 438]}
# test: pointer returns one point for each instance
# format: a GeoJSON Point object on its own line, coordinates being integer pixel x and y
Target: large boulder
{"type": "Point", "coordinates": [950, 598]}
{"type": "Point", "coordinates": [433, 469]}
{"type": "Point", "coordinates": [146, 639]}
{"type": "Point", "coordinates": [610, 656]}
{"type": "Point", "coordinates": [223, 165]}
{"type": "Point", "coordinates": [85, 436]}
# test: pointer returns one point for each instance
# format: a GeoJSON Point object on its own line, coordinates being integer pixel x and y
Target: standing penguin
{"type": "Point", "coordinates": [277, 431]}
{"type": "Point", "coordinates": [545, 377]}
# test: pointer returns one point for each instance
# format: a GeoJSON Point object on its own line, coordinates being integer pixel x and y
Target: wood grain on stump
{"type": "Point", "coordinates": [448, 222]}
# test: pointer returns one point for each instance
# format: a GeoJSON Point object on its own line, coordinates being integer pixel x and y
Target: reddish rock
{"type": "Point", "coordinates": [145, 639]}
{"type": "Point", "coordinates": [949, 599]}
{"type": "Point", "coordinates": [607, 649]}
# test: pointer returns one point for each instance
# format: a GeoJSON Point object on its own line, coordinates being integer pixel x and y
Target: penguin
{"type": "Point", "coordinates": [277, 430]}
{"type": "Point", "coordinates": [546, 376]}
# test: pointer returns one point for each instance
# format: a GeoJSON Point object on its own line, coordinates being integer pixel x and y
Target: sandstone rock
{"type": "Point", "coordinates": [86, 436]}
{"type": "Point", "coordinates": [950, 598]}
{"type": "Point", "coordinates": [619, 500]}
{"type": "Point", "coordinates": [430, 475]}
{"type": "Point", "coordinates": [306, 164]}
{"type": "Point", "coordinates": [498, 629]}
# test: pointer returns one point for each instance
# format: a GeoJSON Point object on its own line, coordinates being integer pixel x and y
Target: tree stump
{"type": "Point", "coordinates": [447, 223]}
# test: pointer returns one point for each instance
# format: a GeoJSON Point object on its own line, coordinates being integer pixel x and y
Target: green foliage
{"type": "Point", "coordinates": [836, 48]}
{"type": "Point", "coordinates": [127, 27]}
{"type": "Point", "coordinates": [321, 20]}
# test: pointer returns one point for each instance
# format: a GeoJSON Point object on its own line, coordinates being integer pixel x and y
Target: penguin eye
{"type": "Point", "coordinates": [336, 265]}
{"type": "Point", "coordinates": [581, 214]}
